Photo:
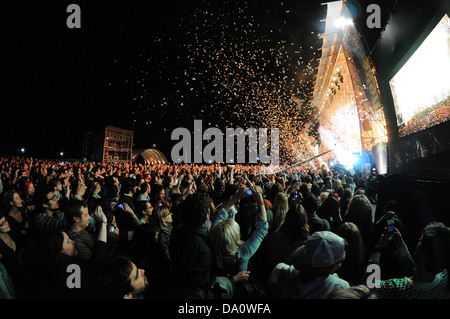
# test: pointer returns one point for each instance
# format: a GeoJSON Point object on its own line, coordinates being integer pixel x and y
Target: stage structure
{"type": "Point", "coordinates": [148, 156]}
{"type": "Point", "coordinates": [113, 145]}
{"type": "Point", "coordinates": [412, 58]}
{"type": "Point", "coordinates": [346, 96]}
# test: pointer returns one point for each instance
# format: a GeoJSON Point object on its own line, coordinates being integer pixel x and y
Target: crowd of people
{"type": "Point", "coordinates": [424, 119]}
{"type": "Point", "coordinates": [119, 231]}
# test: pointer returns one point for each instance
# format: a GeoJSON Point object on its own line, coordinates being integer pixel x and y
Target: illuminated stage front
{"type": "Point", "coordinates": [346, 95]}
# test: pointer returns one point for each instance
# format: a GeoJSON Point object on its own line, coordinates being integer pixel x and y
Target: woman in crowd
{"type": "Point", "coordinates": [17, 217]}
{"type": "Point", "coordinates": [329, 210]}
{"type": "Point", "coordinates": [279, 210]}
{"type": "Point", "coordinates": [352, 269]}
{"type": "Point", "coordinates": [162, 219]}
{"type": "Point", "coordinates": [50, 267]}
{"type": "Point", "coordinates": [359, 212]}
{"type": "Point", "coordinates": [10, 254]}
{"type": "Point", "coordinates": [291, 235]}
{"type": "Point", "coordinates": [230, 255]}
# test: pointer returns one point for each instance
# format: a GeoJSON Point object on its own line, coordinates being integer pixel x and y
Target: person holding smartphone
{"type": "Point", "coordinates": [426, 274]}
{"type": "Point", "coordinates": [231, 255]}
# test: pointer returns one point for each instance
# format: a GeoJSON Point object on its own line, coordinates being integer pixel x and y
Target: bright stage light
{"type": "Point", "coordinates": [343, 155]}
{"type": "Point", "coordinates": [342, 22]}
{"type": "Point", "coordinates": [348, 160]}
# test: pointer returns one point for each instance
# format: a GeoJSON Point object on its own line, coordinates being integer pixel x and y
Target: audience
{"type": "Point", "coordinates": [195, 232]}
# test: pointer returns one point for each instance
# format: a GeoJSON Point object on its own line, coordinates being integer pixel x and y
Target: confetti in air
{"type": "Point", "coordinates": [237, 64]}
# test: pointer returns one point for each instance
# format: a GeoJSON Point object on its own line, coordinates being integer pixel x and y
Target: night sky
{"type": "Point", "coordinates": [151, 67]}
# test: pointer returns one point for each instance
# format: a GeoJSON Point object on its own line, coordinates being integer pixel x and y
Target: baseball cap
{"type": "Point", "coordinates": [321, 249]}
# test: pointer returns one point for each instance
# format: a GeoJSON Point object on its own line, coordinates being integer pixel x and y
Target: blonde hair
{"type": "Point", "coordinates": [280, 208]}
{"type": "Point", "coordinates": [225, 238]}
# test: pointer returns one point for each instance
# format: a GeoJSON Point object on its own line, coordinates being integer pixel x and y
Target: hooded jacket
{"type": "Point", "coordinates": [284, 283]}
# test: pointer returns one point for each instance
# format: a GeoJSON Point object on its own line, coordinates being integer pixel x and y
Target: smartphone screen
{"type": "Point", "coordinates": [390, 227]}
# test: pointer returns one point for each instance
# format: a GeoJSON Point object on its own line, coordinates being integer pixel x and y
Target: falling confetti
{"type": "Point", "coordinates": [233, 66]}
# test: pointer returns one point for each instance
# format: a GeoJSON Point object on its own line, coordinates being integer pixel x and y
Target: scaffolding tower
{"type": "Point", "coordinates": [117, 145]}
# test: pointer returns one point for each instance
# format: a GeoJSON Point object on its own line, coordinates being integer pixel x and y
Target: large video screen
{"type": "Point", "coordinates": [421, 88]}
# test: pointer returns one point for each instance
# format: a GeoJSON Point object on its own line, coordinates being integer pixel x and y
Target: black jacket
{"type": "Point", "coordinates": [191, 258]}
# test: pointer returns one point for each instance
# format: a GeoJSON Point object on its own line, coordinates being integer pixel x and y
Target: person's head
{"type": "Point", "coordinates": [13, 200]}
{"type": "Point", "coordinates": [158, 192]}
{"type": "Point", "coordinates": [48, 200]}
{"type": "Point", "coordinates": [322, 197]}
{"type": "Point", "coordinates": [57, 245]}
{"type": "Point", "coordinates": [355, 246]}
{"type": "Point", "coordinates": [145, 188]}
{"type": "Point", "coordinates": [176, 199]}
{"type": "Point", "coordinates": [23, 175]}
{"type": "Point", "coordinates": [433, 249]}
{"type": "Point", "coordinates": [359, 210]}
{"type": "Point", "coordinates": [168, 181]}
{"type": "Point", "coordinates": [350, 232]}
{"type": "Point", "coordinates": [329, 207]}
{"type": "Point", "coordinates": [279, 209]}
{"type": "Point", "coordinates": [304, 189]}
{"type": "Point", "coordinates": [295, 225]}
{"type": "Point", "coordinates": [77, 213]}
{"type": "Point", "coordinates": [129, 186]}
{"type": "Point", "coordinates": [310, 203]}
{"type": "Point", "coordinates": [4, 225]}
{"type": "Point", "coordinates": [353, 292]}
{"type": "Point", "coordinates": [231, 190]}
{"type": "Point", "coordinates": [359, 202]}
{"type": "Point", "coordinates": [195, 210]}
{"type": "Point", "coordinates": [145, 236]}
{"type": "Point", "coordinates": [322, 253]}
{"type": "Point", "coordinates": [162, 217]}
{"type": "Point", "coordinates": [56, 184]}
{"type": "Point", "coordinates": [119, 278]}
{"type": "Point", "coordinates": [275, 189]}
{"type": "Point", "coordinates": [145, 209]}
{"type": "Point", "coordinates": [315, 189]}
{"type": "Point", "coordinates": [68, 246]}
{"type": "Point", "coordinates": [307, 179]}
{"type": "Point", "coordinates": [224, 238]}
{"type": "Point", "coordinates": [328, 180]}
{"type": "Point", "coordinates": [219, 184]}
{"type": "Point", "coordinates": [29, 189]}
{"type": "Point", "coordinates": [346, 194]}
